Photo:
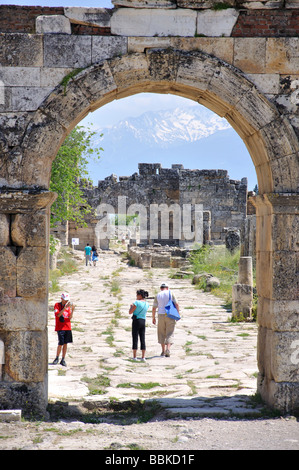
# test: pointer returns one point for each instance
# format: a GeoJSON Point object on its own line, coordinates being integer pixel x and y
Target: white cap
{"type": "Point", "coordinates": [65, 296]}
{"type": "Point", "coordinates": [163, 285]}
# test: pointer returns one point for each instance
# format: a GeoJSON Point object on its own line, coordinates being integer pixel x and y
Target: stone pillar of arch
{"type": "Point", "coordinates": [24, 254]}
{"type": "Point", "coordinates": [277, 259]}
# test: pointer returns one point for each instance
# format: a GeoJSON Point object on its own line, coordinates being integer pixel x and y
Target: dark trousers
{"type": "Point", "coordinates": [138, 330]}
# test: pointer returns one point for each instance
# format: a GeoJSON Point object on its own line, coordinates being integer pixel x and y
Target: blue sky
{"type": "Point", "coordinates": [132, 106]}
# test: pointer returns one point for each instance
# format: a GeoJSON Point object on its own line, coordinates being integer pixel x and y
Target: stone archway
{"type": "Point", "coordinates": [272, 144]}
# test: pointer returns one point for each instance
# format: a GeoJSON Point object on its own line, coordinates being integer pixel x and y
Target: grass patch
{"type": "Point", "coordinates": [139, 386]}
{"type": "Point", "coordinates": [224, 265]}
{"type": "Point", "coordinates": [115, 287]}
{"type": "Point", "coordinates": [187, 348]}
{"type": "Point", "coordinates": [221, 6]}
{"type": "Point", "coordinates": [97, 385]}
{"type": "Point", "coordinates": [192, 386]}
{"type": "Point", "coordinates": [67, 265]}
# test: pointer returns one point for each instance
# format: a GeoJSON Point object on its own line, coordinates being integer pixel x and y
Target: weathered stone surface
{"type": "Point", "coordinates": [62, 50]}
{"type": "Point", "coordinates": [98, 83]}
{"type": "Point", "coordinates": [65, 103]}
{"type": "Point", "coordinates": [285, 274]}
{"type": "Point", "coordinates": [288, 143]}
{"type": "Point", "coordinates": [256, 5]}
{"type": "Point", "coordinates": [52, 77]}
{"type": "Point", "coordinates": [32, 272]}
{"type": "Point", "coordinates": [250, 54]}
{"type": "Point", "coordinates": [13, 202]}
{"type": "Point", "coordinates": [129, 22]}
{"type": "Point", "coordinates": [264, 274]}
{"type": "Point", "coordinates": [26, 356]}
{"type": "Point", "coordinates": [27, 98]}
{"type": "Point", "coordinates": [89, 16]}
{"type": "Point", "coordinates": [20, 76]}
{"type": "Point", "coordinates": [8, 274]}
{"type": "Point", "coordinates": [202, 4]}
{"type": "Point", "coordinates": [44, 135]}
{"type": "Point", "coordinates": [122, 71]}
{"type": "Point", "coordinates": [106, 47]}
{"type": "Point", "coordinates": [4, 230]}
{"type": "Point", "coordinates": [291, 4]}
{"type": "Point", "coordinates": [53, 24]}
{"type": "Point", "coordinates": [281, 396]}
{"type": "Point", "coordinates": [282, 54]}
{"type": "Point", "coordinates": [29, 230]}
{"type": "Point", "coordinates": [12, 127]}
{"type": "Point", "coordinates": [232, 239]}
{"type": "Point", "coordinates": [196, 70]}
{"type": "Point", "coordinates": [245, 275]}
{"type": "Point", "coordinates": [284, 172]}
{"type": "Point", "coordinates": [17, 314]}
{"type": "Point", "coordinates": [242, 295]}
{"type": "Point", "coordinates": [212, 282]}
{"type": "Point", "coordinates": [163, 65]}
{"type": "Point", "coordinates": [29, 397]}
{"type": "Point", "coordinates": [145, 3]}
{"type": "Point", "coordinates": [265, 112]}
{"type": "Point", "coordinates": [220, 47]}
{"type": "Point", "coordinates": [10, 415]}
{"type": "Point", "coordinates": [266, 83]}
{"type": "Point", "coordinates": [21, 50]}
{"type": "Point", "coordinates": [278, 355]}
{"type": "Point", "coordinates": [270, 314]}
{"type": "Point", "coordinates": [155, 256]}
{"type": "Point", "coordinates": [216, 23]}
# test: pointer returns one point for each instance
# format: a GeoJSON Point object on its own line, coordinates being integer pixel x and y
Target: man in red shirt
{"type": "Point", "coordinates": [63, 314]}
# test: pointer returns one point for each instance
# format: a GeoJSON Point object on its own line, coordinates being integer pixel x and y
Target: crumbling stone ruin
{"type": "Point", "coordinates": [223, 202]}
{"type": "Point", "coordinates": [242, 292]}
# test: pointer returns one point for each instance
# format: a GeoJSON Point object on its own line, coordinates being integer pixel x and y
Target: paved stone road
{"type": "Point", "coordinates": [212, 369]}
{"type": "Point", "coordinates": [205, 387]}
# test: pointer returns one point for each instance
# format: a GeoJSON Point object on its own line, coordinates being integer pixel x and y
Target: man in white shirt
{"type": "Point", "coordinates": [166, 325]}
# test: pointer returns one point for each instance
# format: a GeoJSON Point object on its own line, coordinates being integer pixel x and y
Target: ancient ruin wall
{"type": "Point", "coordinates": [226, 199]}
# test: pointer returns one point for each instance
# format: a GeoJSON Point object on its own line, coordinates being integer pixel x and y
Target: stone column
{"type": "Point", "coordinates": [24, 254]}
{"type": "Point", "coordinates": [242, 292]}
{"type": "Point", "coordinates": [206, 227]}
{"type": "Point", "coordinates": [277, 262]}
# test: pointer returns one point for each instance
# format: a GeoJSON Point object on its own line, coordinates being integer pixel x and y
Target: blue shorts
{"type": "Point", "coordinates": [64, 337]}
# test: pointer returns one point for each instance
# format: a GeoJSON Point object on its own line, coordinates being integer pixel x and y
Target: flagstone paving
{"type": "Point", "coordinates": [212, 369]}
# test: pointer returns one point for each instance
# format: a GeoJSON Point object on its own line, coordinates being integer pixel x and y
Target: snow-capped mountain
{"type": "Point", "coordinates": [166, 128]}
{"type": "Point", "coordinates": [193, 136]}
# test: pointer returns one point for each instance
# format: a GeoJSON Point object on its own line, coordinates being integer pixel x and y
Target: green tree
{"type": "Point", "coordinates": [70, 175]}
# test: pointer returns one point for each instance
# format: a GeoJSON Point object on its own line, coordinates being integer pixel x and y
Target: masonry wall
{"type": "Point", "coordinates": [226, 199]}
{"type": "Point", "coordinates": [253, 19]}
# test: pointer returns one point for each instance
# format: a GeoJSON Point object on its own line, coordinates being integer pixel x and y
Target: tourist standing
{"type": "Point", "coordinates": [138, 310]}
{"type": "Point", "coordinates": [63, 314]}
{"type": "Point", "coordinates": [166, 325]}
{"type": "Point", "coordinates": [95, 255]}
{"type": "Point", "coordinates": [87, 250]}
